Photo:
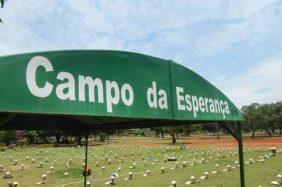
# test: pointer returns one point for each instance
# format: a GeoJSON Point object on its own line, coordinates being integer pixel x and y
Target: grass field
{"type": "Point", "coordinates": [124, 156]}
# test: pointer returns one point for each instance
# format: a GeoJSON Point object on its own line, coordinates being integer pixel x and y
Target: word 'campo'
{"type": "Point", "coordinates": [65, 90]}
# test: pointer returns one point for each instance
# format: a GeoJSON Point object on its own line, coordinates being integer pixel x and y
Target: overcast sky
{"type": "Point", "coordinates": [236, 45]}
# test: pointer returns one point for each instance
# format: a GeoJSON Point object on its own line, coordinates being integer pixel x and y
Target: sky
{"type": "Point", "coordinates": [235, 45]}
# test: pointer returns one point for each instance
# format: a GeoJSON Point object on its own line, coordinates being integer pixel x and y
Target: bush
{"type": "Point", "coordinates": [2, 149]}
{"type": "Point", "coordinates": [102, 136]}
{"type": "Point", "coordinates": [22, 143]}
{"type": "Point", "coordinates": [142, 134]}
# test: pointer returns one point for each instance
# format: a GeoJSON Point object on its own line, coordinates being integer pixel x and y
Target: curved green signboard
{"type": "Point", "coordinates": [108, 84]}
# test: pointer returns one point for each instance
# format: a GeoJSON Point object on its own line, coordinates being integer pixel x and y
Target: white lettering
{"type": "Point", "coordinates": [112, 91]}
{"type": "Point", "coordinates": [31, 69]}
{"type": "Point", "coordinates": [180, 98]}
{"type": "Point", "coordinates": [162, 99]}
{"type": "Point", "coordinates": [92, 84]}
{"type": "Point", "coordinates": [198, 104]}
{"type": "Point", "coordinates": [69, 86]}
{"type": "Point", "coordinates": [127, 88]}
{"type": "Point", "coordinates": [195, 105]}
{"type": "Point", "coordinates": [152, 96]}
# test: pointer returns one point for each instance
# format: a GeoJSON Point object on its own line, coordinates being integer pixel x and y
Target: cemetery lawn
{"type": "Point", "coordinates": [148, 154]}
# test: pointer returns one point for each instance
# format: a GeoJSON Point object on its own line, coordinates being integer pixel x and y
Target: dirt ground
{"type": "Point", "coordinates": [203, 141]}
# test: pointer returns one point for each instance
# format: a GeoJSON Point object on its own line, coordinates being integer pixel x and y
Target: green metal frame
{"type": "Point", "coordinates": [86, 157]}
{"type": "Point", "coordinates": [236, 131]}
{"type": "Point", "coordinates": [21, 107]}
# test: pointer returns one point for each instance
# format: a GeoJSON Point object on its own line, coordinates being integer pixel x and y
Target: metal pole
{"type": "Point", "coordinates": [85, 163]}
{"type": "Point", "coordinates": [241, 154]}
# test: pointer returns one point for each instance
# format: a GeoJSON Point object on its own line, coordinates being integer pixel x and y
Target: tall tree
{"type": "Point", "coordinates": [2, 2]}
{"type": "Point", "coordinates": [251, 117]}
{"type": "Point", "coordinates": [266, 117]}
{"type": "Point", "coordinates": [8, 136]}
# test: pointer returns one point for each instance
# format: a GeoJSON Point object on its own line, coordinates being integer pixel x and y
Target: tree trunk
{"type": "Point", "coordinates": [79, 140]}
{"type": "Point", "coordinates": [188, 133]}
{"type": "Point", "coordinates": [273, 130]}
{"type": "Point", "coordinates": [163, 134]}
{"type": "Point", "coordinates": [254, 130]}
{"type": "Point", "coordinates": [217, 130]}
{"type": "Point", "coordinates": [173, 137]}
{"type": "Point", "coordinates": [30, 140]}
{"type": "Point", "coordinates": [44, 138]}
{"type": "Point", "coordinates": [253, 134]}
{"type": "Point", "coordinates": [268, 132]}
{"type": "Point", "coordinates": [58, 137]}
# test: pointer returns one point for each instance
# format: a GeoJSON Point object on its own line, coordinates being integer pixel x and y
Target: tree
{"type": "Point", "coordinates": [58, 135]}
{"type": "Point", "coordinates": [102, 136]}
{"type": "Point", "coordinates": [8, 136]}
{"type": "Point", "coordinates": [2, 2]}
{"type": "Point", "coordinates": [31, 136]}
{"type": "Point", "coordinates": [158, 131]}
{"type": "Point", "coordinates": [210, 128]}
{"type": "Point", "coordinates": [268, 120]}
{"type": "Point", "coordinates": [266, 117]}
{"type": "Point", "coordinates": [278, 117]}
{"type": "Point", "coordinates": [173, 132]}
{"type": "Point", "coordinates": [252, 117]}
{"type": "Point", "coordinates": [188, 129]}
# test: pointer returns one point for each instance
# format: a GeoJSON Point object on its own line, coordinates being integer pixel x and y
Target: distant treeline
{"type": "Point", "coordinates": [265, 118]}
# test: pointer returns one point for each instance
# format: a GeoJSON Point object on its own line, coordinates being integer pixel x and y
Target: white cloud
{"type": "Point", "coordinates": [216, 39]}
{"type": "Point", "coordinates": [262, 84]}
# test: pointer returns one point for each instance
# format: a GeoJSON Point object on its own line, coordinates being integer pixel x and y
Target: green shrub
{"type": "Point", "coordinates": [142, 134]}
{"type": "Point", "coordinates": [102, 136]}
{"type": "Point", "coordinates": [22, 143]}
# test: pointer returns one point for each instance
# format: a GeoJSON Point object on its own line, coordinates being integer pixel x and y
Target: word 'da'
{"type": "Point", "coordinates": [65, 90]}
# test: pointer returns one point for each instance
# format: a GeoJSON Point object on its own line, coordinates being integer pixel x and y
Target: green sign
{"type": "Point", "coordinates": [108, 83]}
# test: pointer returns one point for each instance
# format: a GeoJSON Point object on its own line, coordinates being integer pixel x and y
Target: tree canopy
{"type": "Point", "coordinates": [2, 2]}
{"type": "Point", "coordinates": [265, 117]}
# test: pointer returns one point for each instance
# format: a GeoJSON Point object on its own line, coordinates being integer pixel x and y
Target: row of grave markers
{"type": "Point", "coordinates": [148, 172]}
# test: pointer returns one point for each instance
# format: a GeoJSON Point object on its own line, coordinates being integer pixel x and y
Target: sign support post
{"type": "Point", "coordinates": [86, 158]}
{"type": "Point", "coordinates": [241, 154]}
{"type": "Point", "coordinates": [236, 132]}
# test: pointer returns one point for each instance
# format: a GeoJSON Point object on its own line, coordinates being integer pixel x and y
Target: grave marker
{"type": "Point", "coordinates": [7, 175]}
{"type": "Point", "coordinates": [173, 183]}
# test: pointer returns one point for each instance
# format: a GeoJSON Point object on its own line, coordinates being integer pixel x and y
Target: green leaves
{"type": "Point", "coordinates": [266, 117]}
